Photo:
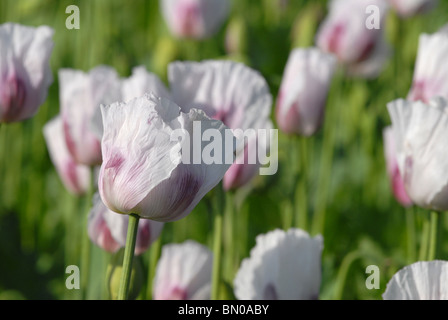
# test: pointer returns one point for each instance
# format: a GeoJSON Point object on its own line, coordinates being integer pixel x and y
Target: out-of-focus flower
{"type": "Point", "coordinates": [347, 33]}
{"type": "Point", "coordinates": [108, 229]}
{"type": "Point", "coordinates": [143, 170]}
{"type": "Point", "coordinates": [80, 95]}
{"type": "Point", "coordinates": [75, 177]}
{"type": "Point", "coordinates": [408, 8]}
{"type": "Point", "coordinates": [303, 92]}
{"type": "Point", "coordinates": [393, 171]}
{"type": "Point", "coordinates": [282, 266]}
{"type": "Point", "coordinates": [25, 72]}
{"type": "Point", "coordinates": [184, 272]}
{"type": "Point", "coordinates": [141, 82]}
{"type": "Point", "coordinates": [423, 280]}
{"type": "Point", "coordinates": [420, 132]}
{"type": "Point", "coordinates": [431, 72]}
{"type": "Point", "coordinates": [233, 93]}
{"type": "Point", "coordinates": [197, 19]}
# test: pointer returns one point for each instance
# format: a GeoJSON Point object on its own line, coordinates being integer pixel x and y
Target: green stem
{"type": "Point", "coordinates": [424, 244]}
{"type": "Point", "coordinates": [152, 264]}
{"type": "Point", "coordinates": [433, 236]}
{"type": "Point", "coordinates": [217, 243]}
{"type": "Point", "coordinates": [128, 258]}
{"type": "Point", "coordinates": [411, 243]}
{"type": "Point", "coordinates": [301, 194]}
{"type": "Point", "coordinates": [86, 245]}
{"type": "Point", "coordinates": [229, 236]}
{"type": "Point", "coordinates": [343, 271]}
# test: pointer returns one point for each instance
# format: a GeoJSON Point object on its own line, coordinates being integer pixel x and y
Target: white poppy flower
{"type": "Point", "coordinates": [420, 131]}
{"type": "Point", "coordinates": [423, 280]}
{"type": "Point", "coordinates": [25, 72]}
{"type": "Point", "coordinates": [282, 266]}
{"type": "Point", "coordinates": [143, 170]}
{"type": "Point", "coordinates": [304, 89]}
{"type": "Point", "coordinates": [184, 272]}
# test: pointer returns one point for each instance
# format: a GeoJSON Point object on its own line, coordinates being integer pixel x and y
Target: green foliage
{"type": "Point", "coordinates": [41, 224]}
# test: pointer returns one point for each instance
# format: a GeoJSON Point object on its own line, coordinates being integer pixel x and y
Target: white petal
{"type": "Point", "coordinates": [420, 132]}
{"type": "Point", "coordinates": [424, 280]}
{"type": "Point", "coordinates": [142, 82]}
{"type": "Point", "coordinates": [75, 177]}
{"type": "Point", "coordinates": [81, 94]}
{"type": "Point", "coordinates": [282, 265]}
{"type": "Point", "coordinates": [185, 267]}
{"type": "Point", "coordinates": [136, 149]}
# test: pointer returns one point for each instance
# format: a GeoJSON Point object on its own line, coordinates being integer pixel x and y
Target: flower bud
{"type": "Point", "coordinates": [25, 72]}
{"type": "Point", "coordinates": [303, 92]}
{"type": "Point", "coordinates": [347, 33]}
{"type": "Point", "coordinates": [197, 19]}
{"type": "Point", "coordinates": [74, 176]}
{"type": "Point", "coordinates": [420, 132]}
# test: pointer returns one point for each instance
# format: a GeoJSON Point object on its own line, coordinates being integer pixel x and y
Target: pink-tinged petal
{"type": "Point", "coordinates": [196, 19]}
{"type": "Point", "coordinates": [228, 91]}
{"type": "Point", "coordinates": [81, 94]}
{"type": "Point", "coordinates": [142, 82]}
{"type": "Point", "coordinates": [303, 92]}
{"type": "Point", "coordinates": [98, 229]}
{"type": "Point", "coordinates": [282, 266]}
{"type": "Point", "coordinates": [393, 171]}
{"type": "Point", "coordinates": [25, 72]}
{"type": "Point", "coordinates": [408, 8]}
{"type": "Point", "coordinates": [143, 171]}
{"type": "Point", "coordinates": [108, 229]}
{"type": "Point", "coordinates": [423, 280]}
{"type": "Point", "coordinates": [431, 73]}
{"type": "Point", "coordinates": [419, 132]}
{"type": "Point", "coordinates": [345, 34]}
{"type": "Point", "coordinates": [183, 272]}
{"type": "Point", "coordinates": [75, 177]}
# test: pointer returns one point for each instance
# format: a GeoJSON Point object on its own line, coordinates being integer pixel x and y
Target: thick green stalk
{"type": "Point", "coordinates": [128, 258]}
{"type": "Point", "coordinates": [424, 243]}
{"type": "Point", "coordinates": [85, 240]}
{"type": "Point", "coordinates": [411, 243]}
{"type": "Point", "coordinates": [301, 210]}
{"type": "Point", "coordinates": [217, 242]}
{"type": "Point", "coordinates": [433, 236]}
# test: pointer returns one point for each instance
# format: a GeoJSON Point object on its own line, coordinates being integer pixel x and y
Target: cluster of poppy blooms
{"type": "Point", "coordinates": [121, 127]}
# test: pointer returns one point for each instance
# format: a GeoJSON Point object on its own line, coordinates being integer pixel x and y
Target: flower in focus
{"type": "Point", "coordinates": [108, 229]}
{"type": "Point", "coordinates": [282, 266]}
{"type": "Point", "coordinates": [408, 8]}
{"type": "Point", "coordinates": [74, 176]}
{"type": "Point", "coordinates": [143, 170]}
{"type": "Point", "coordinates": [393, 171]}
{"type": "Point", "coordinates": [431, 72]}
{"type": "Point", "coordinates": [25, 72]}
{"type": "Point", "coordinates": [197, 19]}
{"type": "Point", "coordinates": [420, 132]}
{"type": "Point", "coordinates": [362, 49]}
{"type": "Point", "coordinates": [423, 280]}
{"type": "Point", "coordinates": [184, 272]}
{"type": "Point", "coordinates": [142, 82]}
{"type": "Point", "coordinates": [233, 93]}
{"type": "Point", "coordinates": [303, 92]}
{"type": "Point", "coordinates": [80, 95]}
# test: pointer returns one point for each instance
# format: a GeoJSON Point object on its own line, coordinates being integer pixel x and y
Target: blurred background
{"type": "Point", "coordinates": [40, 222]}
